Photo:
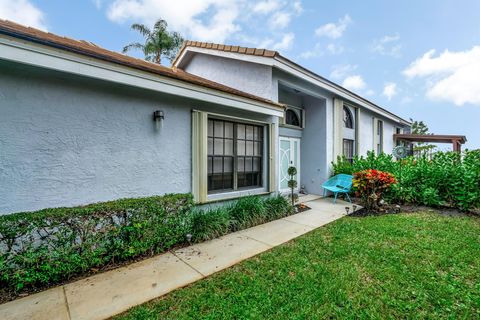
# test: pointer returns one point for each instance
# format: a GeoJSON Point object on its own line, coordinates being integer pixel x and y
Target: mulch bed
{"type": "Point", "coordinates": [388, 208]}
{"type": "Point", "coordinates": [301, 208]}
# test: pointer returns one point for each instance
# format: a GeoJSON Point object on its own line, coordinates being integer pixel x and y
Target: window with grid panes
{"type": "Point", "coordinates": [235, 155]}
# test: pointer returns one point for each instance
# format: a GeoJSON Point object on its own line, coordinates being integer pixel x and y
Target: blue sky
{"type": "Point", "coordinates": [419, 59]}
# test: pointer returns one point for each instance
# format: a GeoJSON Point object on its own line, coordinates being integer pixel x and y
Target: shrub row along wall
{"type": "Point", "coordinates": [46, 247]}
{"type": "Point", "coordinates": [449, 178]}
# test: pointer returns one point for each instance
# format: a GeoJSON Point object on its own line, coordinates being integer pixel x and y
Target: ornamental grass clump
{"type": "Point", "coordinates": [370, 185]}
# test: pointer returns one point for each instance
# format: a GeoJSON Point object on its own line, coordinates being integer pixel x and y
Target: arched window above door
{"type": "Point", "coordinates": [347, 118]}
{"type": "Point", "coordinates": [292, 118]}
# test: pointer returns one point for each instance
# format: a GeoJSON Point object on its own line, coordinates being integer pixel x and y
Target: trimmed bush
{"type": "Point", "coordinates": [45, 247]}
{"type": "Point", "coordinates": [449, 178]}
{"type": "Point", "coordinates": [52, 245]}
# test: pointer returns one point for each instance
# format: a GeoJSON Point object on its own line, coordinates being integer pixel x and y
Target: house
{"type": "Point", "coordinates": [81, 124]}
{"type": "Point", "coordinates": [322, 120]}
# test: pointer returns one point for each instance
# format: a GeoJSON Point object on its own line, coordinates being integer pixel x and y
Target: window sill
{"type": "Point", "coordinates": [290, 126]}
{"type": "Point", "coordinates": [236, 194]}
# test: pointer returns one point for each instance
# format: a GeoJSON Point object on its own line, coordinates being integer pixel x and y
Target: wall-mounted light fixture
{"type": "Point", "coordinates": [158, 117]}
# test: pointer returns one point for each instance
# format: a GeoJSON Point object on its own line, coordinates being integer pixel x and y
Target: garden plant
{"type": "Point", "coordinates": [46, 247]}
{"type": "Point", "coordinates": [370, 185]}
{"type": "Point", "coordinates": [447, 179]}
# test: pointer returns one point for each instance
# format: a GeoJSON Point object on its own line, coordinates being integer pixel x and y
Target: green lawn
{"type": "Point", "coordinates": [393, 266]}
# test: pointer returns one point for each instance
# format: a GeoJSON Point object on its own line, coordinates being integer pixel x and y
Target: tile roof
{"type": "Point", "coordinates": [226, 48]}
{"type": "Point", "coordinates": [86, 48]}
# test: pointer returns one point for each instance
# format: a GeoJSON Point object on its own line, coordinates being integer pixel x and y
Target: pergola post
{"type": "Point", "coordinates": [457, 146]}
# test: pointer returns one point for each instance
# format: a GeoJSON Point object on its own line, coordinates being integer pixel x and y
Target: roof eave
{"type": "Point", "coordinates": [19, 33]}
{"type": "Point", "coordinates": [46, 57]}
{"type": "Point", "coordinates": [187, 49]}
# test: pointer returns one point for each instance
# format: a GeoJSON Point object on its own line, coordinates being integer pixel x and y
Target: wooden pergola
{"type": "Point", "coordinates": [455, 140]}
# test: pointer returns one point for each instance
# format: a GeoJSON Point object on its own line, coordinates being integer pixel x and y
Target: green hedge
{"type": "Point", "coordinates": [45, 247]}
{"type": "Point", "coordinates": [51, 245]}
{"type": "Point", "coordinates": [449, 178]}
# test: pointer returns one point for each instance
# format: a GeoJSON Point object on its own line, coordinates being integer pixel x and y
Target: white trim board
{"type": "Point", "coordinates": [24, 52]}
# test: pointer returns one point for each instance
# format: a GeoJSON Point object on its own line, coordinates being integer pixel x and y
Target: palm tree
{"type": "Point", "coordinates": [158, 43]}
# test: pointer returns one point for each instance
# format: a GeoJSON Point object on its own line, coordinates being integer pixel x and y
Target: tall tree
{"type": "Point", "coordinates": [420, 127]}
{"type": "Point", "coordinates": [158, 43]}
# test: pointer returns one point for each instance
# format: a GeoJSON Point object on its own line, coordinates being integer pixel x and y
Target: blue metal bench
{"type": "Point", "coordinates": [341, 183]}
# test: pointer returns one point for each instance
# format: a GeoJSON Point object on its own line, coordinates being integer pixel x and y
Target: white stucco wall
{"type": "Point", "coordinates": [388, 131]}
{"type": "Point", "coordinates": [289, 98]}
{"type": "Point", "coordinates": [366, 133]}
{"type": "Point", "coordinates": [71, 141]}
{"type": "Point", "coordinates": [314, 162]}
{"type": "Point", "coordinates": [317, 136]}
{"type": "Point", "coordinates": [245, 76]}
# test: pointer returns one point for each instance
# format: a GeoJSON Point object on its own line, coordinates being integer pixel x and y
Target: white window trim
{"type": "Point", "coordinates": [356, 128]}
{"type": "Point", "coordinates": [199, 159]}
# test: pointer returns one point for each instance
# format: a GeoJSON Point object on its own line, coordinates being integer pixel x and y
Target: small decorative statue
{"type": "Point", "coordinates": [302, 189]}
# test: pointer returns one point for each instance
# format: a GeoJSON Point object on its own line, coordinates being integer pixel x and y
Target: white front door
{"type": "Point", "coordinates": [289, 156]}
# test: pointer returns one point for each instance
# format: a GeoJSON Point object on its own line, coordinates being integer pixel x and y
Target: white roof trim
{"type": "Point", "coordinates": [25, 52]}
{"type": "Point", "coordinates": [224, 54]}
{"type": "Point", "coordinates": [289, 67]}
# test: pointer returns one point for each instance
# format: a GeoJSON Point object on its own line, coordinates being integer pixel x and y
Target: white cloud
{"type": "Point", "coordinates": [342, 71]}
{"type": "Point", "coordinates": [184, 16]}
{"type": "Point", "coordinates": [332, 30]}
{"type": "Point", "coordinates": [354, 83]}
{"type": "Point", "coordinates": [335, 49]}
{"type": "Point", "coordinates": [297, 7]}
{"type": "Point", "coordinates": [23, 12]}
{"type": "Point", "coordinates": [213, 20]}
{"type": "Point", "coordinates": [280, 20]}
{"type": "Point", "coordinates": [390, 90]}
{"type": "Point", "coordinates": [312, 53]}
{"type": "Point", "coordinates": [387, 46]}
{"type": "Point", "coordinates": [318, 50]}
{"type": "Point", "coordinates": [451, 76]}
{"type": "Point", "coordinates": [285, 43]}
{"type": "Point", "coordinates": [370, 92]}
{"type": "Point", "coordinates": [265, 7]}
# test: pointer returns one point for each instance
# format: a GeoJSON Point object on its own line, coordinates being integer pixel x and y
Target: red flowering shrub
{"type": "Point", "coordinates": [370, 184]}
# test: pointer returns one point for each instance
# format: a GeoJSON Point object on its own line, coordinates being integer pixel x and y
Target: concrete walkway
{"type": "Point", "coordinates": [107, 294]}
